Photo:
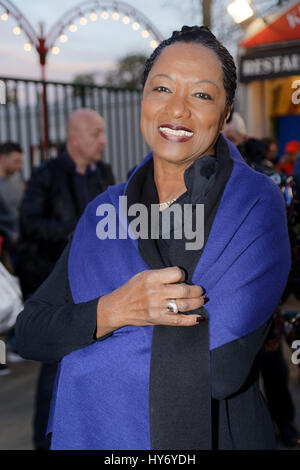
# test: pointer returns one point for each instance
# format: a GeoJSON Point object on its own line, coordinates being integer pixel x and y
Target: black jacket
{"type": "Point", "coordinates": [51, 207]}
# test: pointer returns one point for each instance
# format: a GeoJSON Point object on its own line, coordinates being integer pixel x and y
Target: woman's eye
{"type": "Point", "coordinates": [162, 89]}
{"type": "Point", "coordinates": [203, 96]}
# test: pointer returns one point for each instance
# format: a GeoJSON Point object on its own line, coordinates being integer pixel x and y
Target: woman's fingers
{"type": "Point", "coordinates": [151, 291]}
{"type": "Point", "coordinates": [177, 319]}
{"type": "Point", "coordinates": [187, 305]}
{"type": "Point", "coordinates": [166, 275]}
{"type": "Point", "coordinates": [162, 316]}
{"type": "Point", "coordinates": [182, 291]}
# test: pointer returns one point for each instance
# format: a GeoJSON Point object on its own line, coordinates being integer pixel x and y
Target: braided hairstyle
{"type": "Point", "coordinates": [200, 35]}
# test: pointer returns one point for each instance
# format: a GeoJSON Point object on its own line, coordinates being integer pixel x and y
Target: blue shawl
{"type": "Point", "coordinates": [101, 397]}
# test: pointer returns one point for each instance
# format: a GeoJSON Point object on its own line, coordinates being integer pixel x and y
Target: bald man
{"type": "Point", "coordinates": [85, 138]}
{"type": "Point", "coordinates": [55, 198]}
{"type": "Point", "coordinates": [58, 193]}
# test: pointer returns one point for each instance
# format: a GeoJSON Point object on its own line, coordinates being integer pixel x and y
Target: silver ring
{"type": "Point", "coordinates": [172, 306]}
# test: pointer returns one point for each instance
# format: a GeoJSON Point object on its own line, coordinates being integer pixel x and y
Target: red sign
{"type": "Point", "coordinates": [285, 28]}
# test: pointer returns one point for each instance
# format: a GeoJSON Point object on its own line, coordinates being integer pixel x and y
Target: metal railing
{"type": "Point", "coordinates": [22, 120]}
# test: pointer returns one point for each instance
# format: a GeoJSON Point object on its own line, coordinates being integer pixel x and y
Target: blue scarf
{"type": "Point", "coordinates": [101, 397]}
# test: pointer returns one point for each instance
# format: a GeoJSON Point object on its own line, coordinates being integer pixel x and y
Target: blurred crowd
{"type": "Point", "coordinates": [37, 219]}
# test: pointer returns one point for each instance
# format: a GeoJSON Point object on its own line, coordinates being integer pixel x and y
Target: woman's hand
{"type": "Point", "coordinates": [143, 301]}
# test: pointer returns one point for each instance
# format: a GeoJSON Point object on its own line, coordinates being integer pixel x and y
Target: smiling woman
{"type": "Point", "coordinates": [143, 363]}
{"type": "Point", "coordinates": [185, 106]}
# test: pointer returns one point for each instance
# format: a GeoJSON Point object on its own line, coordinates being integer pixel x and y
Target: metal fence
{"type": "Point", "coordinates": [21, 120]}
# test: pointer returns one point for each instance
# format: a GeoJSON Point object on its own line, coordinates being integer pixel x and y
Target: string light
{"type": "Point", "coordinates": [17, 30]}
{"type": "Point", "coordinates": [73, 28]}
{"type": "Point", "coordinates": [153, 44]}
{"type": "Point", "coordinates": [63, 38]}
{"type": "Point", "coordinates": [55, 50]}
{"type": "Point", "coordinates": [83, 21]}
{"type": "Point", "coordinates": [105, 15]}
{"type": "Point", "coordinates": [27, 47]}
{"type": "Point", "coordinates": [93, 16]}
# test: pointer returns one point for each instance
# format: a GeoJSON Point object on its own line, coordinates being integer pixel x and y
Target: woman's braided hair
{"type": "Point", "coordinates": [200, 35]}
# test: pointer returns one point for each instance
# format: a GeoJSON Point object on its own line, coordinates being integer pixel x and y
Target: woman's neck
{"type": "Point", "coordinates": [169, 181]}
{"type": "Point", "coordinates": [169, 176]}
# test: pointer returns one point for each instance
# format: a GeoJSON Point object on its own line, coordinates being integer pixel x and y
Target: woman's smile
{"type": "Point", "coordinates": [174, 133]}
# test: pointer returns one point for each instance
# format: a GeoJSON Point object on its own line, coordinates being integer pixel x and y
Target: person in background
{"type": "Point", "coordinates": [271, 153]}
{"type": "Point", "coordinates": [274, 368]}
{"type": "Point", "coordinates": [235, 129]}
{"type": "Point", "coordinates": [295, 232]}
{"type": "Point", "coordinates": [55, 198]}
{"type": "Point", "coordinates": [57, 195]}
{"type": "Point", "coordinates": [296, 176]}
{"type": "Point", "coordinates": [291, 153]}
{"type": "Point", "coordinates": [254, 152]}
{"type": "Point", "coordinates": [11, 190]}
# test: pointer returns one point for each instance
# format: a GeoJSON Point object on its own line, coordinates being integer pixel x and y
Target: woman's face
{"type": "Point", "coordinates": [183, 105]}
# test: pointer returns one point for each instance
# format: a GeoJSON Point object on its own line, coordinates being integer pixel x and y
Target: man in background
{"type": "Point", "coordinates": [11, 191]}
{"type": "Point", "coordinates": [235, 129]}
{"type": "Point", "coordinates": [55, 198]}
{"type": "Point", "coordinates": [57, 194]}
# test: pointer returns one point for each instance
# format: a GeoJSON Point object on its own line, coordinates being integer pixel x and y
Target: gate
{"type": "Point", "coordinates": [21, 120]}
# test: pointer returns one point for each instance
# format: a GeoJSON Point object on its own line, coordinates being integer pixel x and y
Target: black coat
{"type": "Point", "coordinates": [50, 209]}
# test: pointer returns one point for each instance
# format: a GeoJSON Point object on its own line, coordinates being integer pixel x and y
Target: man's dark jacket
{"type": "Point", "coordinates": [53, 202]}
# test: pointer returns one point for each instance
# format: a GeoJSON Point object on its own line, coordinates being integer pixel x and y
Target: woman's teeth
{"type": "Point", "coordinates": [179, 133]}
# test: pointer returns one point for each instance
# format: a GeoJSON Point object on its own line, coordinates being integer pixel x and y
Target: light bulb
{"type": "Point", "coordinates": [105, 15]}
{"type": "Point", "coordinates": [135, 25]}
{"type": "Point", "coordinates": [145, 34]}
{"type": "Point", "coordinates": [153, 44]}
{"type": "Point", "coordinates": [27, 47]}
{"type": "Point", "coordinates": [115, 16]}
{"type": "Point", "coordinates": [93, 16]}
{"type": "Point", "coordinates": [73, 28]}
{"type": "Point", "coordinates": [4, 16]}
{"type": "Point", "coordinates": [17, 30]}
{"type": "Point", "coordinates": [83, 21]}
{"type": "Point", "coordinates": [126, 19]}
{"type": "Point", "coordinates": [63, 38]}
{"type": "Point", "coordinates": [240, 10]}
{"type": "Point", "coordinates": [55, 50]}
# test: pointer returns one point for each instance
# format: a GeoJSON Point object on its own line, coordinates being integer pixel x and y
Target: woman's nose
{"type": "Point", "coordinates": [178, 106]}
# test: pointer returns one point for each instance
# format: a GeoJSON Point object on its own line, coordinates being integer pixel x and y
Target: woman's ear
{"type": "Point", "coordinates": [229, 111]}
{"type": "Point", "coordinates": [226, 115]}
